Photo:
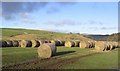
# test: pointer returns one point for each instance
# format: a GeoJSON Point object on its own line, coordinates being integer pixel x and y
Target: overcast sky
{"type": "Point", "coordinates": [76, 17]}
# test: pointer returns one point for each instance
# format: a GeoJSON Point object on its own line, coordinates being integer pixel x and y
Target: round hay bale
{"type": "Point", "coordinates": [102, 46]}
{"type": "Point", "coordinates": [3, 43]}
{"type": "Point", "coordinates": [57, 43]}
{"type": "Point", "coordinates": [47, 50]}
{"type": "Point", "coordinates": [84, 44]}
{"type": "Point", "coordinates": [26, 43]}
{"type": "Point", "coordinates": [76, 43]}
{"type": "Point", "coordinates": [35, 43]}
{"type": "Point", "coordinates": [9, 43]}
{"type": "Point", "coordinates": [69, 44]}
{"type": "Point", "coordinates": [15, 43]}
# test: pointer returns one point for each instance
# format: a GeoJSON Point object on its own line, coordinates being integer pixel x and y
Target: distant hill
{"type": "Point", "coordinates": [10, 33]}
{"type": "Point", "coordinates": [99, 37]}
{"type": "Point", "coordinates": [112, 37]}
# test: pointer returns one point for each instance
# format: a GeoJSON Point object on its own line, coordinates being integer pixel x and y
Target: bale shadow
{"type": "Point", "coordinates": [63, 53]}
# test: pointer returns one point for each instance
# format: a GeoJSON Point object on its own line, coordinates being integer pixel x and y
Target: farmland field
{"type": "Point", "coordinates": [66, 58]}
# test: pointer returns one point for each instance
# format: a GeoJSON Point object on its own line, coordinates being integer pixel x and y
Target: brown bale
{"type": "Point", "coordinates": [76, 43]}
{"type": "Point", "coordinates": [47, 50]}
{"type": "Point", "coordinates": [3, 43]}
{"type": "Point", "coordinates": [9, 43]}
{"type": "Point", "coordinates": [102, 46]}
{"type": "Point", "coordinates": [35, 43]}
{"type": "Point", "coordinates": [84, 44]}
{"type": "Point", "coordinates": [69, 44]}
{"type": "Point", "coordinates": [26, 43]}
{"type": "Point", "coordinates": [15, 43]}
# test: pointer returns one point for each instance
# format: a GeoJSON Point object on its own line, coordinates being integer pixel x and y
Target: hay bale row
{"type": "Point", "coordinates": [47, 50]}
{"type": "Point", "coordinates": [32, 43]}
{"type": "Point", "coordinates": [9, 43]}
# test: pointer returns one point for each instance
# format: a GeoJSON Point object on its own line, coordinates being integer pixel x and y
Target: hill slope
{"type": "Point", "coordinates": [9, 33]}
{"type": "Point", "coordinates": [113, 37]}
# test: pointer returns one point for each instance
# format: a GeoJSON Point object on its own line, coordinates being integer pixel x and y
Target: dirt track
{"type": "Point", "coordinates": [58, 62]}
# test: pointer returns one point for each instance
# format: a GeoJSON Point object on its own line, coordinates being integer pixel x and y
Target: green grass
{"type": "Point", "coordinates": [10, 33]}
{"type": "Point", "coordinates": [16, 55]}
{"type": "Point", "coordinates": [107, 60]}
{"type": "Point", "coordinates": [66, 58]}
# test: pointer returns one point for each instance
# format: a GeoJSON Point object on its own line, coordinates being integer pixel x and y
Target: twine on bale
{"type": "Point", "coordinates": [47, 50]}
{"type": "Point", "coordinates": [35, 43]}
{"type": "Point", "coordinates": [26, 43]}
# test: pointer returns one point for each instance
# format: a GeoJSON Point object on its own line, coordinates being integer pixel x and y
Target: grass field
{"type": "Point", "coordinates": [66, 58]}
